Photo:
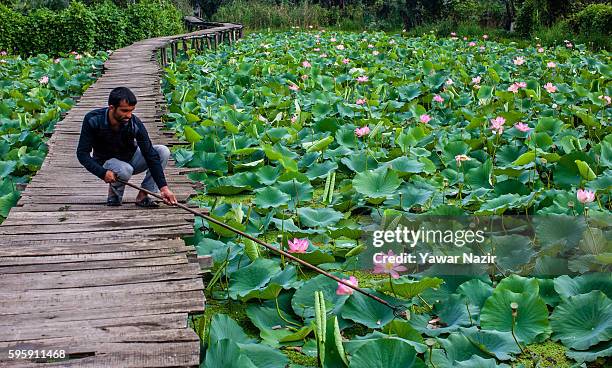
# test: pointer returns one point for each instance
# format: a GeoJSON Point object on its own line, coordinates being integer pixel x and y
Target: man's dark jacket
{"type": "Point", "coordinates": [96, 133]}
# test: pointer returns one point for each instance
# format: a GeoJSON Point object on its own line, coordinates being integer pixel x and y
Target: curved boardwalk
{"type": "Point", "coordinates": [111, 286]}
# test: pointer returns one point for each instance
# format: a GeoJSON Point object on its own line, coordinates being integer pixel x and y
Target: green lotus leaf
{"type": "Point", "coordinates": [191, 135]}
{"type": "Point", "coordinates": [6, 168]}
{"type": "Point", "coordinates": [385, 353]}
{"type": "Point", "coordinates": [367, 311]}
{"type": "Point", "coordinates": [601, 350]}
{"type": "Point", "coordinates": [583, 284]}
{"type": "Point", "coordinates": [318, 217]}
{"type": "Point", "coordinates": [476, 293]}
{"type": "Point", "coordinates": [263, 356]}
{"type": "Point", "coordinates": [303, 299]}
{"type": "Point", "coordinates": [252, 277]}
{"type": "Point", "coordinates": [270, 197]}
{"type": "Point", "coordinates": [479, 362]}
{"type": "Point", "coordinates": [518, 284]}
{"type": "Point", "coordinates": [267, 175]}
{"type": "Point", "coordinates": [405, 165]}
{"type": "Point", "coordinates": [582, 321]}
{"type": "Point", "coordinates": [532, 315]}
{"type": "Point", "coordinates": [224, 327]}
{"type": "Point", "coordinates": [316, 257]}
{"type": "Point", "coordinates": [459, 348]}
{"type": "Point", "coordinates": [380, 183]}
{"type": "Point", "coordinates": [559, 230]}
{"type": "Point", "coordinates": [7, 202]}
{"type": "Point", "coordinates": [268, 321]}
{"type": "Point", "coordinates": [497, 343]}
{"type": "Point", "coordinates": [225, 353]}
{"type": "Point", "coordinates": [407, 288]}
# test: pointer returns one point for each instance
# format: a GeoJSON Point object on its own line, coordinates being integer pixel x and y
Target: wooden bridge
{"type": "Point", "coordinates": [108, 286]}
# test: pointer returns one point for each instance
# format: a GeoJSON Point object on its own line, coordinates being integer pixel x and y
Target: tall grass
{"type": "Point", "coordinates": [262, 15]}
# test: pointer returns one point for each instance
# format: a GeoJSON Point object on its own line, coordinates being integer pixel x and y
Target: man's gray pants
{"type": "Point", "coordinates": [125, 170]}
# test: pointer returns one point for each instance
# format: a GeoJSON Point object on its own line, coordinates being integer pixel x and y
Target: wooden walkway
{"type": "Point", "coordinates": [110, 286]}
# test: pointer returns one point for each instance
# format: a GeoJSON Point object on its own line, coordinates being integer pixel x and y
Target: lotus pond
{"type": "Point", "coordinates": [34, 92]}
{"type": "Point", "coordinates": [311, 140]}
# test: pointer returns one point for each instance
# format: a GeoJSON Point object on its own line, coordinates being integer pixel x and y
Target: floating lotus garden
{"type": "Point", "coordinates": [34, 92]}
{"type": "Point", "coordinates": [312, 141]}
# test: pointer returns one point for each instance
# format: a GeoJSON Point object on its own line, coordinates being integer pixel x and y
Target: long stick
{"type": "Point", "coordinates": [274, 249]}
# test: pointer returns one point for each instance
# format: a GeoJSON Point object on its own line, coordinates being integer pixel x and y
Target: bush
{"type": "Point", "coordinates": [11, 25]}
{"type": "Point", "coordinates": [80, 28]}
{"type": "Point", "coordinates": [108, 16]}
{"type": "Point", "coordinates": [595, 18]}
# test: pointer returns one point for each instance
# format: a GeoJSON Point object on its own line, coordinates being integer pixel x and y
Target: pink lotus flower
{"type": "Point", "coordinates": [460, 158]}
{"type": "Point", "coordinates": [453, 33]}
{"type": "Point", "coordinates": [340, 47]}
{"type": "Point", "coordinates": [521, 84]}
{"type": "Point", "coordinates": [3, 53]}
{"type": "Point", "coordinates": [56, 61]}
{"type": "Point", "coordinates": [346, 61]}
{"type": "Point", "coordinates": [472, 44]}
{"type": "Point", "coordinates": [362, 78]}
{"type": "Point", "coordinates": [424, 118]}
{"type": "Point", "coordinates": [476, 80]}
{"type": "Point", "coordinates": [522, 127]}
{"type": "Point", "coordinates": [465, 38]}
{"type": "Point", "coordinates": [360, 101]}
{"type": "Point", "coordinates": [375, 52]}
{"type": "Point", "coordinates": [550, 88]}
{"type": "Point", "coordinates": [513, 88]}
{"type": "Point", "coordinates": [294, 87]}
{"type": "Point", "coordinates": [551, 64]}
{"type": "Point", "coordinates": [78, 56]}
{"type": "Point", "coordinates": [569, 45]}
{"type": "Point", "coordinates": [449, 82]}
{"type": "Point", "coordinates": [438, 98]}
{"type": "Point", "coordinates": [482, 48]}
{"type": "Point", "coordinates": [497, 125]}
{"type": "Point", "coordinates": [519, 60]}
{"type": "Point", "coordinates": [370, 46]}
{"type": "Point", "coordinates": [390, 268]}
{"type": "Point", "coordinates": [360, 132]}
{"type": "Point", "coordinates": [44, 80]}
{"type": "Point", "coordinates": [316, 49]}
{"type": "Point", "coordinates": [294, 119]}
{"type": "Point", "coordinates": [306, 64]}
{"type": "Point", "coordinates": [608, 99]}
{"type": "Point", "coordinates": [347, 290]}
{"type": "Point", "coordinates": [298, 245]}
{"type": "Point", "coordinates": [585, 196]}
{"type": "Point", "coordinates": [333, 39]}
{"type": "Point", "coordinates": [541, 50]}
{"type": "Point", "coordinates": [304, 77]}
{"type": "Point", "coordinates": [323, 55]}
{"type": "Point", "coordinates": [392, 42]}
{"type": "Point", "coordinates": [485, 36]}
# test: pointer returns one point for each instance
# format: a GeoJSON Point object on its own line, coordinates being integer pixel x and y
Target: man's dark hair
{"type": "Point", "coordinates": [121, 94]}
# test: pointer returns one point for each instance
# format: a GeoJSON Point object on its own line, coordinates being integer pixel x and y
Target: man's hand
{"type": "Point", "coordinates": [110, 177]}
{"type": "Point", "coordinates": [168, 196]}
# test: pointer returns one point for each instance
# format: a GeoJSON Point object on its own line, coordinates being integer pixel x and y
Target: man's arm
{"type": "Point", "coordinates": [84, 150]}
{"type": "Point", "coordinates": [150, 154]}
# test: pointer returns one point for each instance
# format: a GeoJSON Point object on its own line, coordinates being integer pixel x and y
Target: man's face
{"type": "Point", "coordinates": [123, 112]}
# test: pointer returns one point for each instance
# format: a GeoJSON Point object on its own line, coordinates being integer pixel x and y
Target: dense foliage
{"type": "Point", "coordinates": [318, 136]}
{"type": "Point", "coordinates": [79, 28]}
{"type": "Point", "coordinates": [548, 19]}
{"type": "Point", "coordinates": [34, 92]}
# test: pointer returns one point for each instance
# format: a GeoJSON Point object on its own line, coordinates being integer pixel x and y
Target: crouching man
{"type": "Point", "coordinates": [122, 148]}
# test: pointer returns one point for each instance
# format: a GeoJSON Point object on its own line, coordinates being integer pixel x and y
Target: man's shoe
{"type": "Point", "coordinates": [113, 202]}
{"type": "Point", "coordinates": [147, 202]}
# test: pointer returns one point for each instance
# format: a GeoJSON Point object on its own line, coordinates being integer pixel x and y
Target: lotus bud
{"type": "Point", "coordinates": [514, 307]}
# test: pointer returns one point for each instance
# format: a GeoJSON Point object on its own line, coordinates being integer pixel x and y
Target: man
{"type": "Point", "coordinates": [121, 147]}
